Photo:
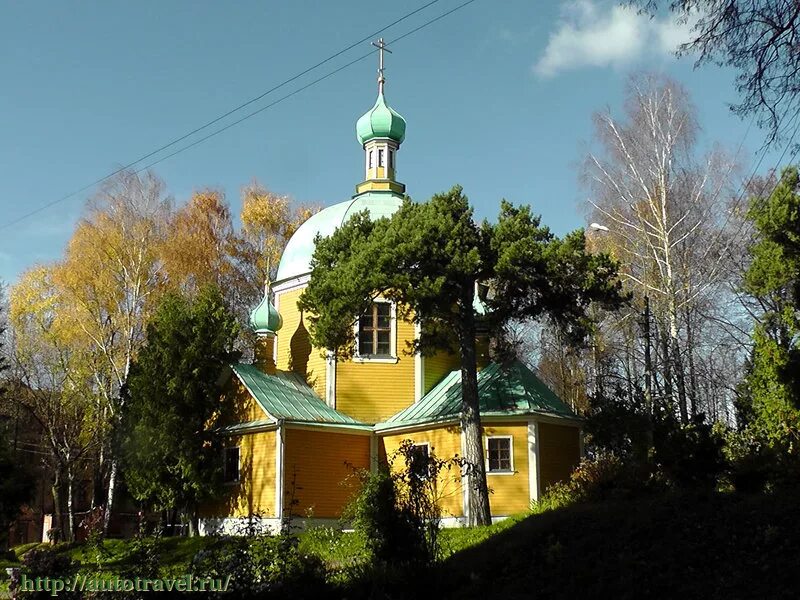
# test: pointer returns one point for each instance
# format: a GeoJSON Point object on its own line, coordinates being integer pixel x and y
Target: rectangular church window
{"type": "Point", "coordinates": [371, 162]}
{"type": "Point", "coordinates": [230, 465]}
{"type": "Point", "coordinates": [380, 157]}
{"type": "Point", "coordinates": [375, 331]}
{"type": "Point", "coordinates": [498, 450]}
{"type": "Point", "coordinates": [419, 460]}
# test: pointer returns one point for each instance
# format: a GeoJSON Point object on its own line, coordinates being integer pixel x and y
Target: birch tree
{"type": "Point", "coordinates": [199, 247]}
{"type": "Point", "coordinates": [268, 221]}
{"type": "Point", "coordinates": [665, 212]}
{"type": "Point", "coordinates": [53, 383]}
{"type": "Point", "coordinates": [110, 278]}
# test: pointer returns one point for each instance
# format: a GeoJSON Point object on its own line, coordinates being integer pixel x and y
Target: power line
{"type": "Point", "coordinates": [298, 90]}
{"type": "Point", "coordinates": [244, 105]}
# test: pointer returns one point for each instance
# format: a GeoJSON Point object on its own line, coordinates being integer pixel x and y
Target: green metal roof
{"type": "Point", "coordinates": [381, 121]}
{"type": "Point", "coordinates": [502, 391]}
{"type": "Point", "coordinates": [248, 426]}
{"type": "Point", "coordinates": [287, 396]}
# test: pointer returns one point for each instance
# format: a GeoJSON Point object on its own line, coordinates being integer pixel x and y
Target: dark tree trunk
{"type": "Point", "coordinates": [667, 359]}
{"type": "Point", "coordinates": [479, 511]}
{"type": "Point", "coordinates": [680, 379]}
{"type": "Point", "coordinates": [648, 373]}
{"type": "Point", "coordinates": [58, 521]}
{"type": "Point", "coordinates": [693, 391]}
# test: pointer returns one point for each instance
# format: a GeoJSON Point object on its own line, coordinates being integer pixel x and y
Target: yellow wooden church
{"type": "Point", "coordinates": [304, 420]}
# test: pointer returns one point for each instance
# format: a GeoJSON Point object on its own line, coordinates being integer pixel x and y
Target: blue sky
{"type": "Point", "coordinates": [498, 97]}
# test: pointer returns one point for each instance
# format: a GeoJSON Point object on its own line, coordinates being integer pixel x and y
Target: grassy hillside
{"type": "Point", "coordinates": [672, 546]}
{"type": "Point", "coordinates": [680, 546]}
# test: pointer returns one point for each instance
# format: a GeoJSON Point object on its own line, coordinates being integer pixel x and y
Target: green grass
{"type": "Point", "coordinates": [682, 545]}
{"type": "Point", "coordinates": [670, 546]}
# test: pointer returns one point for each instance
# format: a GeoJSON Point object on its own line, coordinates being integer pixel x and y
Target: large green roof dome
{"type": "Point", "coordinates": [296, 259]}
{"type": "Point", "coordinates": [381, 121]}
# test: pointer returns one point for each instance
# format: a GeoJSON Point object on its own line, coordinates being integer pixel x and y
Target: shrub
{"type": "Point", "coordinates": [42, 562]}
{"type": "Point", "coordinates": [688, 455]}
{"type": "Point", "coordinates": [556, 496]}
{"type": "Point", "coordinates": [397, 510]}
{"type": "Point", "coordinates": [753, 464]}
{"type": "Point", "coordinates": [263, 566]}
{"type": "Point", "coordinates": [390, 531]}
{"type": "Point", "coordinates": [604, 477]}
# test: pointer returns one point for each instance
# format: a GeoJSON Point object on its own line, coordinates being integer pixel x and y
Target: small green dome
{"type": "Point", "coordinates": [265, 318]}
{"type": "Point", "coordinates": [381, 122]}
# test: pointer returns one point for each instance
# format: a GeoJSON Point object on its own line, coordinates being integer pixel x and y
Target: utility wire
{"type": "Point", "coordinates": [244, 105]}
{"type": "Point", "coordinates": [298, 90]}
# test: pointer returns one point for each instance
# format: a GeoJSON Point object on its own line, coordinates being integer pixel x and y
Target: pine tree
{"type": "Point", "coordinates": [773, 278]}
{"type": "Point", "coordinates": [428, 258]}
{"type": "Point", "coordinates": [170, 455]}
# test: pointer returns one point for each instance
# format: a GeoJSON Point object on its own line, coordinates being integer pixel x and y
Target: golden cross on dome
{"type": "Point", "coordinates": [381, 46]}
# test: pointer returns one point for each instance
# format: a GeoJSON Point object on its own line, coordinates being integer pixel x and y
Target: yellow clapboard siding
{"type": "Point", "coordinates": [372, 391]}
{"type": "Point", "coordinates": [559, 452]}
{"type": "Point", "coordinates": [318, 466]}
{"type": "Point", "coordinates": [445, 444]}
{"type": "Point", "coordinates": [250, 409]}
{"type": "Point", "coordinates": [437, 366]}
{"type": "Point", "coordinates": [295, 352]}
{"type": "Point", "coordinates": [255, 492]}
{"type": "Point", "coordinates": [509, 494]}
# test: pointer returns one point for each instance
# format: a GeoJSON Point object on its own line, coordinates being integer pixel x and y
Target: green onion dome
{"type": "Point", "coordinates": [265, 318]}
{"type": "Point", "coordinates": [381, 122]}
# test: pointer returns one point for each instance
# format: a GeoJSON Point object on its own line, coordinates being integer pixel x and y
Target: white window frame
{"type": "Point", "coordinates": [238, 465]}
{"type": "Point", "coordinates": [392, 358]}
{"type": "Point", "coordinates": [510, 439]}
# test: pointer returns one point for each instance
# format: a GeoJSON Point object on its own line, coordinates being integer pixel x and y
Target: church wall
{"type": "Point", "coordinates": [437, 366]}
{"type": "Point", "coordinates": [294, 345]}
{"type": "Point", "coordinates": [321, 462]}
{"type": "Point", "coordinates": [373, 391]}
{"type": "Point", "coordinates": [245, 406]}
{"type": "Point", "coordinates": [442, 363]}
{"type": "Point", "coordinates": [255, 491]}
{"type": "Point", "coordinates": [559, 452]}
{"type": "Point", "coordinates": [509, 493]}
{"type": "Point", "coordinates": [445, 443]}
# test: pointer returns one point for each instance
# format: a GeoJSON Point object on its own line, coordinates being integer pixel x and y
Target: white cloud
{"type": "Point", "coordinates": [590, 34]}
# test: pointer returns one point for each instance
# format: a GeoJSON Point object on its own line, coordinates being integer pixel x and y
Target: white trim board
{"type": "Point", "coordinates": [292, 283]}
{"type": "Point", "coordinates": [279, 455]}
{"type": "Point", "coordinates": [330, 379]}
{"type": "Point", "coordinates": [533, 461]}
{"type": "Point", "coordinates": [419, 368]}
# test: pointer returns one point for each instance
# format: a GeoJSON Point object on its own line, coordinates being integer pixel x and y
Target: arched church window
{"type": "Point", "coordinates": [371, 162]}
{"type": "Point", "coordinates": [391, 159]}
